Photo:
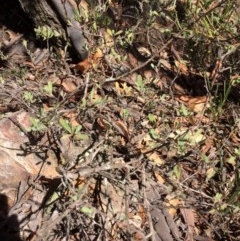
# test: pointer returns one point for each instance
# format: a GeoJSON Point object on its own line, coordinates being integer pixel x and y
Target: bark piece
{"type": "Point", "coordinates": [58, 15]}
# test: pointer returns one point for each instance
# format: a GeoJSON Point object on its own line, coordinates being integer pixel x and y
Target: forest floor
{"type": "Point", "coordinates": [138, 142]}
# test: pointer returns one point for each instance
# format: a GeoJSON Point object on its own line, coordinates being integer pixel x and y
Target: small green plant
{"type": "Point", "coordinates": [154, 135]}
{"type": "Point", "coordinates": [48, 88]}
{"type": "Point", "coordinates": [124, 113]}
{"type": "Point", "coordinates": [29, 97]}
{"type": "Point", "coordinates": [184, 111]}
{"type": "Point", "coordinates": [177, 171]}
{"type": "Point", "coordinates": [36, 125]}
{"type": "Point", "coordinates": [46, 33]}
{"type": "Point", "coordinates": [139, 84]}
{"type": "Point", "coordinates": [152, 119]}
{"type": "Point", "coordinates": [71, 130]}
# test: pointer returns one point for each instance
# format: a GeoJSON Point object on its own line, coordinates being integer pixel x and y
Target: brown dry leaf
{"type": "Point", "coordinates": [72, 116]}
{"type": "Point", "coordinates": [154, 157]}
{"type": "Point", "coordinates": [84, 65]}
{"type": "Point", "coordinates": [12, 36]}
{"type": "Point", "coordinates": [172, 205]}
{"type": "Point", "coordinates": [113, 207]}
{"type": "Point", "coordinates": [29, 76]}
{"type": "Point", "coordinates": [83, 5]}
{"type": "Point", "coordinates": [207, 145]}
{"type": "Point", "coordinates": [122, 129]}
{"type": "Point", "coordinates": [235, 138]}
{"type": "Point", "coordinates": [46, 107]}
{"type": "Point", "coordinates": [68, 85]}
{"type": "Point", "coordinates": [142, 213]}
{"type": "Point", "coordinates": [200, 117]}
{"type": "Point", "coordinates": [159, 178]}
{"type": "Point", "coordinates": [132, 60]}
{"type": "Point", "coordinates": [102, 123]}
{"type": "Point", "coordinates": [14, 165]}
{"type": "Point", "coordinates": [165, 64]}
{"type": "Point", "coordinates": [148, 74]}
{"type": "Point", "coordinates": [29, 64]}
{"type": "Point", "coordinates": [144, 51]}
{"type": "Point", "coordinates": [145, 146]}
{"type": "Point", "coordinates": [182, 67]}
{"type": "Point", "coordinates": [97, 55]}
{"type": "Point", "coordinates": [90, 62]}
{"type": "Point", "coordinates": [189, 217]}
{"type": "Point", "coordinates": [196, 104]}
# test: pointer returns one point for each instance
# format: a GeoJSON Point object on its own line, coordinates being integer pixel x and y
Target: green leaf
{"type": "Point", "coordinates": [88, 211]}
{"type": "Point", "coordinates": [139, 83]}
{"type": "Point", "coordinates": [65, 124]}
{"type": "Point", "coordinates": [184, 111]}
{"type": "Point", "coordinates": [48, 88]}
{"type": "Point", "coordinates": [177, 171]}
{"type": "Point", "coordinates": [153, 134]}
{"type": "Point", "coordinates": [152, 118]}
{"type": "Point", "coordinates": [110, 32]}
{"type": "Point", "coordinates": [37, 125]}
{"type": "Point", "coordinates": [79, 136]}
{"type": "Point", "coordinates": [78, 128]}
{"type": "Point", "coordinates": [218, 198]}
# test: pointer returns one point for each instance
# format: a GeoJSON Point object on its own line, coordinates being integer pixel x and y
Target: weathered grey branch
{"type": "Point", "coordinates": [74, 30]}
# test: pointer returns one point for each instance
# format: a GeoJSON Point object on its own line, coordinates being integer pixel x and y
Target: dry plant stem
{"type": "Point", "coordinates": [215, 5]}
{"type": "Point", "coordinates": [198, 192]}
{"type": "Point", "coordinates": [86, 87]}
{"type": "Point", "coordinates": [146, 206]}
{"type": "Point", "coordinates": [127, 201]}
{"type": "Point", "coordinates": [85, 172]}
{"type": "Point", "coordinates": [138, 67]}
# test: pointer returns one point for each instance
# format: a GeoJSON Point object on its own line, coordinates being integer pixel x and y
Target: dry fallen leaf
{"type": "Point", "coordinates": [172, 205]}
{"type": "Point", "coordinates": [159, 178]}
{"type": "Point", "coordinates": [195, 104]}
{"type": "Point", "coordinates": [68, 85]}
{"type": "Point", "coordinates": [182, 67]}
{"type": "Point", "coordinates": [145, 146]}
{"type": "Point", "coordinates": [189, 217]}
{"type": "Point", "coordinates": [122, 128]}
{"type": "Point", "coordinates": [72, 116]}
{"type": "Point", "coordinates": [132, 60]}
{"type": "Point", "coordinates": [208, 144]}
{"type": "Point", "coordinates": [89, 62]}
{"type": "Point", "coordinates": [148, 74]}
{"type": "Point", "coordinates": [155, 158]}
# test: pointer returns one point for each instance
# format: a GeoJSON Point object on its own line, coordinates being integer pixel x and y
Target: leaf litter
{"type": "Point", "coordinates": [115, 151]}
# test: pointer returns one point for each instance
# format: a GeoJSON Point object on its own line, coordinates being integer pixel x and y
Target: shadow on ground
{"type": "Point", "coordinates": [9, 226]}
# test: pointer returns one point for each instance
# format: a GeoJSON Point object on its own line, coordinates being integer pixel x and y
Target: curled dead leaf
{"type": "Point", "coordinates": [69, 86]}
{"type": "Point", "coordinates": [132, 60]}
{"type": "Point", "coordinates": [172, 206]}
{"type": "Point", "coordinates": [123, 130]}
{"type": "Point", "coordinates": [90, 62]}
{"type": "Point", "coordinates": [189, 216]}
{"type": "Point", "coordinates": [207, 145]}
{"type": "Point", "coordinates": [195, 104]}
